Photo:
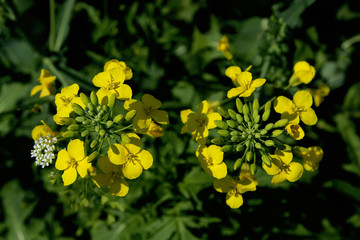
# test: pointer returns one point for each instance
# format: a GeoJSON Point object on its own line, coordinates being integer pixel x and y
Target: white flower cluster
{"type": "Point", "coordinates": [43, 151]}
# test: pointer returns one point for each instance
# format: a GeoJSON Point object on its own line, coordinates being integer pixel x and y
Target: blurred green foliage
{"type": "Point", "coordinates": [171, 47]}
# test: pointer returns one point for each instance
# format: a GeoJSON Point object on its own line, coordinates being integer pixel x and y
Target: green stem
{"type": "Point", "coordinates": [122, 129]}
{"type": "Point", "coordinates": [52, 25]}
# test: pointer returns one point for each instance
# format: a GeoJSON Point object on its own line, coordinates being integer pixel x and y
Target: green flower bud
{"type": "Point", "coordinates": [224, 133]}
{"type": "Point", "coordinates": [69, 134]}
{"type": "Point", "coordinates": [217, 141]}
{"type": "Point", "coordinates": [129, 115]}
{"type": "Point", "coordinates": [125, 138]}
{"type": "Point", "coordinates": [256, 105]}
{"type": "Point", "coordinates": [111, 102]}
{"type": "Point", "coordinates": [84, 98]}
{"type": "Point", "coordinates": [80, 119]}
{"type": "Point", "coordinates": [248, 156]}
{"type": "Point", "coordinates": [266, 115]}
{"type": "Point", "coordinates": [239, 105]}
{"type": "Point", "coordinates": [277, 132]}
{"type": "Point", "coordinates": [241, 128]}
{"type": "Point", "coordinates": [232, 114]}
{"type": "Point", "coordinates": [223, 112]}
{"type": "Point", "coordinates": [238, 163]}
{"type": "Point", "coordinates": [105, 108]}
{"type": "Point", "coordinates": [90, 106]}
{"type": "Point", "coordinates": [267, 106]}
{"type": "Point", "coordinates": [246, 109]}
{"type": "Point", "coordinates": [266, 159]}
{"type": "Point", "coordinates": [92, 156]}
{"type": "Point", "coordinates": [235, 138]}
{"type": "Point", "coordinates": [97, 128]}
{"type": "Point", "coordinates": [74, 127]}
{"type": "Point", "coordinates": [231, 123]}
{"type": "Point", "coordinates": [102, 132]}
{"type": "Point", "coordinates": [269, 126]}
{"type": "Point", "coordinates": [263, 132]}
{"type": "Point", "coordinates": [118, 118]}
{"type": "Point", "coordinates": [239, 118]}
{"type": "Point", "coordinates": [85, 133]}
{"type": "Point", "coordinates": [269, 143]}
{"type": "Point", "coordinates": [98, 108]}
{"type": "Point", "coordinates": [256, 126]}
{"type": "Point", "coordinates": [87, 122]}
{"type": "Point", "coordinates": [258, 145]}
{"type": "Point", "coordinates": [234, 133]}
{"type": "Point", "coordinates": [253, 168]}
{"type": "Point", "coordinates": [109, 124]}
{"type": "Point", "coordinates": [94, 143]}
{"type": "Point", "coordinates": [226, 148]}
{"type": "Point", "coordinates": [281, 123]}
{"type": "Point", "coordinates": [240, 147]}
{"type": "Point", "coordinates": [94, 99]}
{"type": "Point", "coordinates": [257, 119]}
{"type": "Point", "coordinates": [246, 117]}
{"type": "Point", "coordinates": [77, 108]}
{"type": "Point", "coordinates": [257, 135]}
{"type": "Point", "coordinates": [221, 124]}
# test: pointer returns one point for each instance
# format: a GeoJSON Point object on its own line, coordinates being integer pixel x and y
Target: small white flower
{"type": "Point", "coordinates": [43, 151]}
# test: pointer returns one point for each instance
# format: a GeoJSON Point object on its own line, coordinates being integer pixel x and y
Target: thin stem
{"type": "Point", "coordinates": [52, 25]}
{"type": "Point", "coordinates": [122, 129]}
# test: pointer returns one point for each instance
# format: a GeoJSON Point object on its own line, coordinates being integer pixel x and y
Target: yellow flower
{"type": "Point", "coordinates": [63, 101]}
{"type": "Point", "coordinates": [42, 130]}
{"type": "Point", "coordinates": [111, 81]}
{"type": "Point", "coordinates": [234, 188]}
{"type": "Point", "coordinates": [146, 110]}
{"type": "Point", "coordinates": [46, 84]}
{"type": "Point", "coordinates": [311, 156]}
{"type": "Point", "coordinates": [131, 157]}
{"type": "Point", "coordinates": [295, 131]}
{"type": "Point", "coordinates": [199, 124]}
{"type": "Point", "coordinates": [155, 130]}
{"type": "Point", "coordinates": [72, 161]}
{"type": "Point", "coordinates": [112, 177]}
{"type": "Point", "coordinates": [245, 86]}
{"type": "Point", "coordinates": [223, 46]}
{"type": "Point", "coordinates": [211, 160]}
{"type": "Point", "coordinates": [320, 93]}
{"type": "Point", "coordinates": [299, 108]}
{"type": "Point", "coordinates": [282, 168]}
{"type": "Point", "coordinates": [303, 73]}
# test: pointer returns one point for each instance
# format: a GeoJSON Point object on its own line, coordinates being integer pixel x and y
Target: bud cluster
{"type": "Point", "coordinates": [246, 133]}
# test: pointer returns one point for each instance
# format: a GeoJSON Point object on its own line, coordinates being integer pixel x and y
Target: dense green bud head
{"type": "Point", "coordinates": [239, 105]}
{"type": "Point", "coordinates": [118, 118]}
{"type": "Point", "coordinates": [277, 132]}
{"type": "Point", "coordinates": [80, 119]}
{"type": "Point", "coordinates": [125, 138]}
{"type": "Point", "coordinates": [222, 112]}
{"type": "Point", "coordinates": [221, 124]}
{"type": "Point", "coordinates": [263, 132]}
{"type": "Point", "coordinates": [246, 117]}
{"type": "Point", "coordinates": [246, 109]}
{"type": "Point", "coordinates": [74, 127]}
{"type": "Point", "coordinates": [269, 126]}
{"type": "Point", "coordinates": [257, 119]}
{"type": "Point", "coordinates": [281, 123]}
{"type": "Point", "coordinates": [85, 133]}
{"type": "Point", "coordinates": [231, 123]}
{"type": "Point", "coordinates": [93, 98]}
{"type": "Point", "coordinates": [129, 115]}
{"type": "Point", "coordinates": [256, 105]}
{"type": "Point", "coordinates": [269, 143]}
{"type": "Point", "coordinates": [238, 163]}
{"type": "Point", "coordinates": [249, 156]}
{"type": "Point", "coordinates": [239, 118]}
{"type": "Point", "coordinates": [267, 106]}
{"type": "Point", "coordinates": [266, 159]}
{"type": "Point", "coordinates": [77, 108]}
{"type": "Point", "coordinates": [240, 147]}
{"type": "Point", "coordinates": [217, 141]}
{"type": "Point", "coordinates": [253, 168]}
{"type": "Point", "coordinates": [90, 106]}
{"type": "Point", "coordinates": [226, 148]}
{"type": "Point", "coordinates": [93, 156]}
{"type": "Point", "coordinates": [224, 133]}
{"type": "Point", "coordinates": [84, 98]}
{"type": "Point", "coordinates": [93, 143]}
{"type": "Point", "coordinates": [111, 102]}
{"type": "Point", "coordinates": [69, 134]}
{"type": "Point", "coordinates": [232, 114]}
{"type": "Point", "coordinates": [266, 115]}
{"type": "Point", "coordinates": [258, 145]}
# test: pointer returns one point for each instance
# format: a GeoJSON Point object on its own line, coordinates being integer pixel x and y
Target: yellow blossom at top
{"type": "Point", "coordinates": [111, 81]}
{"type": "Point", "coordinates": [63, 101]}
{"type": "Point", "coordinates": [199, 123]}
{"type": "Point", "coordinates": [311, 156]}
{"type": "Point", "coordinates": [42, 130]}
{"type": "Point", "coordinates": [245, 86]}
{"type": "Point", "coordinates": [211, 160]}
{"type": "Point", "coordinates": [320, 93]}
{"type": "Point", "coordinates": [234, 188]}
{"type": "Point", "coordinates": [224, 46]}
{"type": "Point", "coordinates": [299, 108]}
{"type": "Point", "coordinates": [131, 157]}
{"type": "Point", "coordinates": [282, 168]}
{"type": "Point", "coordinates": [146, 110]}
{"type": "Point", "coordinates": [303, 73]}
{"type": "Point", "coordinates": [72, 161]}
{"type": "Point", "coordinates": [46, 84]}
{"type": "Point", "coordinates": [112, 177]}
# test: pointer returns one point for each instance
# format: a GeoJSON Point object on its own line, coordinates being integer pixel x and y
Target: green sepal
{"type": "Point", "coordinates": [231, 123]}
{"type": "Point", "coordinates": [92, 156]}
{"type": "Point", "coordinates": [269, 126]}
{"type": "Point", "coordinates": [226, 148]}
{"type": "Point", "coordinates": [125, 138]}
{"type": "Point", "coordinates": [266, 115]}
{"type": "Point", "coordinates": [94, 98]}
{"type": "Point", "coordinates": [77, 108]}
{"type": "Point", "coordinates": [94, 143]}
{"type": "Point", "coordinates": [232, 114]}
{"type": "Point", "coordinates": [269, 143]}
{"type": "Point", "coordinates": [118, 118]}
{"type": "Point", "coordinates": [256, 105]}
{"type": "Point", "coordinates": [239, 105]}
{"type": "Point", "coordinates": [217, 141]}
{"type": "Point", "coordinates": [221, 124]}
{"type": "Point", "coordinates": [277, 132]}
{"type": "Point", "coordinates": [224, 133]}
{"type": "Point", "coordinates": [281, 123]}
{"type": "Point", "coordinates": [84, 98]}
{"type": "Point", "coordinates": [129, 115]}
{"type": "Point", "coordinates": [222, 112]}
{"type": "Point", "coordinates": [246, 109]}
{"type": "Point", "coordinates": [73, 127]}
{"type": "Point", "coordinates": [238, 163]}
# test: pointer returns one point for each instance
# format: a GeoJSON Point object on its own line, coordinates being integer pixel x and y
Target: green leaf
{"type": "Point", "coordinates": [292, 15]}
{"type": "Point", "coordinates": [63, 19]}
{"type": "Point", "coordinates": [184, 92]}
{"type": "Point", "coordinates": [352, 98]}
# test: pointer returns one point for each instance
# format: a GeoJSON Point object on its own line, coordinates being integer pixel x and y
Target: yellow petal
{"type": "Point", "coordinates": [119, 187]}
{"type": "Point", "coordinates": [235, 92]}
{"type": "Point", "coordinates": [232, 72]}
{"type": "Point", "coordinates": [117, 75]}
{"type": "Point", "coordinates": [82, 167]}
{"type": "Point", "coordinates": [160, 116]}
{"type": "Point", "coordinates": [123, 92]}
{"type": "Point", "coordinates": [284, 105]}
{"type": "Point", "coordinates": [274, 168]}
{"type": "Point", "coordinates": [224, 185]}
{"type": "Point", "coordinates": [258, 82]}
{"type": "Point", "coordinates": [215, 154]}
{"type": "Point", "coordinates": [102, 180]}
{"type": "Point", "coordinates": [203, 107]}
{"type": "Point", "coordinates": [134, 104]}
{"type": "Point", "coordinates": [69, 176]}
{"type": "Point", "coordinates": [134, 139]}
{"type": "Point", "coordinates": [184, 115]}
{"type": "Point", "coordinates": [247, 92]}
{"type": "Point", "coordinates": [62, 160]}
{"type": "Point", "coordinates": [234, 200]}
{"type": "Point", "coordinates": [244, 79]}
{"type": "Point", "coordinates": [309, 117]}
{"type": "Point", "coordinates": [246, 185]}
{"type": "Point", "coordinates": [303, 99]}
{"type": "Point", "coordinates": [102, 79]}
{"type": "Point", "coordinates": [296, 171]}
{"type": "Point", "coordinates": [117, 154]}
{"type": "Point", "coordinates": [35, 89]}
{"type": "Point", "coordinates": [133, 149]}
{"type": "Point", "coordinates": [141, 122]}
{"type": "Point", "coordinates": [279, 178]}
{"type": "Point", "coordinates": [145, 158]}
{"type": "Point", "coordinates": [219, 170]}
{"type": "Point", "coordinates": [71, 90]}
{"type": "Point", "coordinates": [285, 156]}
{"type": "Point", "coordinates": [76, 149]}
{"type": "Point", "coordinates": [210, 120]}
{"type": "Point", "coordinates": [295, 131]}
{"type": "Point", "coordinates": [304, 71]}
{"type": "Point", "coordinates": [150, 101]}
{"type": "Point", "coordinates": [132, 169]}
